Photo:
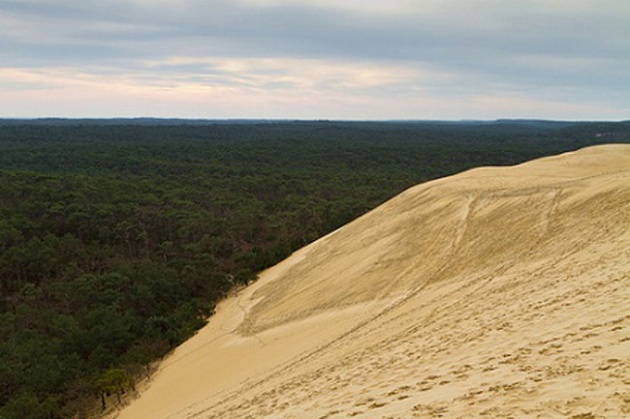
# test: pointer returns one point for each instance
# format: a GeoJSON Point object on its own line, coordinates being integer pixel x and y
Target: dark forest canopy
{"type": "Point", "coordinates": [117, 237]}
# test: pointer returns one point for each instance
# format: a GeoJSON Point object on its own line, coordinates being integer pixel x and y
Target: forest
{"type": "Point", "coordinates": [119, 237]}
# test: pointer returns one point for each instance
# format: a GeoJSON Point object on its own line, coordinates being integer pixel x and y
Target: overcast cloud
{"type": "Point", "coordinates": [341, 59]}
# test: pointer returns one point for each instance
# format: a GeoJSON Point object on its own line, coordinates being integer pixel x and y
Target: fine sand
{"type": "Point", "coordinates": [498, 292]}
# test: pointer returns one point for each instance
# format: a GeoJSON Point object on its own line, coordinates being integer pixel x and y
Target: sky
{"type": "Point", "coordinates": [316, 59]}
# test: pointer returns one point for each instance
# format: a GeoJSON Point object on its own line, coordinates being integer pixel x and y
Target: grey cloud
{"type": "Point", "coordinates": [307, 31]}
{"type": "Point", "coordinates": [488, 42]}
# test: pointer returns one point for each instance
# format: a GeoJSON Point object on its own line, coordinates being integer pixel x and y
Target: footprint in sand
{"type": "Point", "coordinates": [376, 405]}
{"type": "Point", "coordinates": [329, 414]}
{"type": "Point", "coordinates": [363, 402]}
{"type": "Point", "coordinates": [399, 390]}
{"type": "Point", "coordinates": [434, 410]}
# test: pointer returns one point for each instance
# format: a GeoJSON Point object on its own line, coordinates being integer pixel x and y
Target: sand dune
{"type": "Point", "coordinates": [498, 292]}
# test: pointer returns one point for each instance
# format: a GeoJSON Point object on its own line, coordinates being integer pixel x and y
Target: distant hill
{"type": "Point", "coordinates": [148, 121]}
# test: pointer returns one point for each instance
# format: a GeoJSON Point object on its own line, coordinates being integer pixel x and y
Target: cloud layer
{"type": "Point", "coordinates": [369, 59]}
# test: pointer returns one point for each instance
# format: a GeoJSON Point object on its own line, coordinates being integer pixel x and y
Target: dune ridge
{"type": "Point", "coordinates": [498, 292]}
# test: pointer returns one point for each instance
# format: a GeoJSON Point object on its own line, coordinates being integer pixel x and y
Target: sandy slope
{"type": "Point", "coordinates": [502, 292]}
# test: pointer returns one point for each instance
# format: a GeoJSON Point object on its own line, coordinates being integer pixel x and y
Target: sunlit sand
{"type": "Point", "coordinates": [497, 292]}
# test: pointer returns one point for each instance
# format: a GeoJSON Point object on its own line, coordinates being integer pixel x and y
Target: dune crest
{"type": "Point", "coordinates": [496, 292]}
